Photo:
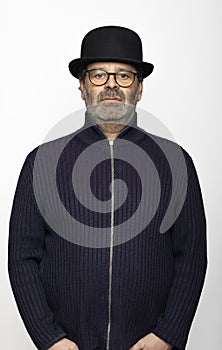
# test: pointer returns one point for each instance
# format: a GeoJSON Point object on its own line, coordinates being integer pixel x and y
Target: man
{"type": "Point", "coordinates": [123, 267]}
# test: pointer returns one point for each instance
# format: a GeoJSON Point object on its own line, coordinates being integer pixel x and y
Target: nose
{"type": "Point", "coordinates": [111, 83]}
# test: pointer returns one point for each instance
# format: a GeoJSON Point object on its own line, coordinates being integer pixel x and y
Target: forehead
{"type": "Point", "coordinates": [111, 66]}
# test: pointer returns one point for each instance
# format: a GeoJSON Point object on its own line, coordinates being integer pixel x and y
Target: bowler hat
{"type": "Point", "coordinates": [111, 43]}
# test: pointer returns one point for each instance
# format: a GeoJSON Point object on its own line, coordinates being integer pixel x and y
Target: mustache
{"type": "Point", "coordinates": [111, 93]}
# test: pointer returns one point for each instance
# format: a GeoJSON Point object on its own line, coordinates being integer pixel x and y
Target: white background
{"type": "Point", "coordinates": [183, 40]}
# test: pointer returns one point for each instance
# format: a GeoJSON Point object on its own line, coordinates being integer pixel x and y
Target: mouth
{"type": "Point", "coordinates": [111, 99]}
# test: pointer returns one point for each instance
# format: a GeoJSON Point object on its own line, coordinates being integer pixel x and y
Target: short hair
{"type": "Point", "coordinates": [139, 72]}
{"type": "Point", "coordinates": [82, 72]}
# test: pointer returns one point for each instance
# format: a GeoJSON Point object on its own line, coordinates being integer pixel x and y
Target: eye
{"type": "Point", "coordinates": [123, 75]}
{"type": "Point", "coordinates": [98, 74]}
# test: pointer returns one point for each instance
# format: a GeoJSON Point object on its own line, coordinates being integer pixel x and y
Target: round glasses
{"type": "Point", "coordinates": [123, 78]}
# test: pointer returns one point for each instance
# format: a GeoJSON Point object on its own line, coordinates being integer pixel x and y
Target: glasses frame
{"type": "Point", "coordinates": [108, 75]}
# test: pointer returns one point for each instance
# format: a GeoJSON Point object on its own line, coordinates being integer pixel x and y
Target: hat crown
{"type": "Point", "coordinates": [111, 44]}
{"type": "Point", "coordinates": [112, 41]}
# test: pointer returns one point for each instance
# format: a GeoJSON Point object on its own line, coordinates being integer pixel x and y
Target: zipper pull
{"type": "Point", "coordinates": [111, 142]}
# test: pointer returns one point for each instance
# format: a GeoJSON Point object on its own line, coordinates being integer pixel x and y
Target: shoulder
{"type": "Point", "coordinates": [181, 162]}
{"type": "Point", "coordinates": [168, 146]}
{"type": "Point", "coordinates": [49, 148]}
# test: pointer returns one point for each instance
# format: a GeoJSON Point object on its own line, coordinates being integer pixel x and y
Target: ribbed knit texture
{"type": "Point", "coordinates": [61, 288]}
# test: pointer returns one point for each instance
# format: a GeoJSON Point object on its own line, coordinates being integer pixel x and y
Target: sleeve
{"type": "Point", "coordinates": [25, 250]}
{"type": "Point", "coordinates": [189, 244]}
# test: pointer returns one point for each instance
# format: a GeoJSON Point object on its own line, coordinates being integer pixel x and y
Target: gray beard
{"type": "Point", "coordinates": [111, 112]}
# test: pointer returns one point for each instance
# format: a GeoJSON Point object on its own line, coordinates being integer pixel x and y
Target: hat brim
{"type": "Point", "coordinates": [76, 64]}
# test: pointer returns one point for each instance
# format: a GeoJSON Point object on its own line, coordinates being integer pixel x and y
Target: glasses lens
{"type": "Point", "coordinates": [98, 76]}
{"type": "Point", "coordinates": [124, 78]}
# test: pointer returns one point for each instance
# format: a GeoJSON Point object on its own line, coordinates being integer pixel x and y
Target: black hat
{"type": "Point", "coordinates": [111, 44]}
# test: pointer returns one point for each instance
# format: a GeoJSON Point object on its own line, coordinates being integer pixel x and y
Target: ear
{"type": "Point", "coordinates": [140, 91]}
{"type": "Point", "coordinates": [81, 85]}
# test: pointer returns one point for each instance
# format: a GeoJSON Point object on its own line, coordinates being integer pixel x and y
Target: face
{"type": "Point", "coordinates": [110, 102]}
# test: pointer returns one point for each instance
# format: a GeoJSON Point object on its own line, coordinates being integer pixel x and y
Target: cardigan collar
{"type": "Point", "coordinates": [91, 133]}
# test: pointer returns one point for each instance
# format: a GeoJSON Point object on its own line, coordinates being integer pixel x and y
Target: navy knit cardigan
{"type": "Point", "coordinates": [62, 288]}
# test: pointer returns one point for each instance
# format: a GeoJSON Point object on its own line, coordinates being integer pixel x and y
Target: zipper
{"type": "Point", "coordinates": [111, 246]}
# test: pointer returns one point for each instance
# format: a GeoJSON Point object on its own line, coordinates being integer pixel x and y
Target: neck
{"type": "Point", "coordinates": [111, 130]}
